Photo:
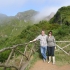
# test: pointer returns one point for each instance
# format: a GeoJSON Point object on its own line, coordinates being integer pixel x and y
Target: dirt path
{"type": "Point", "coordinates": [40, 65]}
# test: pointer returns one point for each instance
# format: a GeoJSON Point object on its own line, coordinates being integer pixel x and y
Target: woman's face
{"type": "Point", "coordinates": [50, 34]}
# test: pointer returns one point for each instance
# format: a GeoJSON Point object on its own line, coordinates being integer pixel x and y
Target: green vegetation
{"type": "Point", "coordinates": [17, 31]}
{"type": "Point", "coordinates": [13, 27]}
{"type": "Point", "coordinates": [62, 16]}
{"type": "Point", "coordinates": [32, 31]}
{"type": "Point", "coordinates": [35, 57]}
{"type": "Point", "coordinates": [27, 15]}
{"type": "Point", "coordinates": [60, 33]}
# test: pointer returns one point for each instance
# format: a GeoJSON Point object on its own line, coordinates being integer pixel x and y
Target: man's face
{"type": "Point", "coordinates": [43, 32]}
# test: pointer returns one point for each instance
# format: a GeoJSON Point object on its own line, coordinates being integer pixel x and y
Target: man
{"type": "Point", "coordinates": [43, 44]}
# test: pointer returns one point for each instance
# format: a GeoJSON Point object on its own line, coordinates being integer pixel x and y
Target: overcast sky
{"type": "Point", "coordinates": [45, 7]}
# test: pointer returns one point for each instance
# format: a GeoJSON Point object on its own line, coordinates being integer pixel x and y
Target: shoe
{"type": "Point", "coordinates": [44, 60]}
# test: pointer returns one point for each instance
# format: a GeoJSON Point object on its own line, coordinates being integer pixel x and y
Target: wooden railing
{"type": "Point", "coordinates": [26, 55]}
{"type": "Point", "coordinates": [29, 49]}
{"type": "Point", "coordinates": [62, 48]}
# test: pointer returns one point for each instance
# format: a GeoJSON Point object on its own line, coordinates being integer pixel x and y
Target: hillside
{"type": "Point", "coordinates": [26, 15]}
{"type": "Point", "coordinates": [13, 25]}
{"type": "Point", "coordinates": [3, 17]}
{"type": "Point", "coordinates": [49, 16]}
{"type": "Point", "coordinates": [29, 15]}
{"type": "Point", "coordinates": [16, 31]}
{"type": "Point", "coordinates": [62, 16]}
{"type": "Point", "coordinates": [17, 26]}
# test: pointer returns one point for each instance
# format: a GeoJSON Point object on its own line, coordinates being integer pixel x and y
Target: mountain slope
{"type": "Point", "coordinates": [13, 25]}
{"type": "Point", "coordinates": [50, 16]}
{"type": "Point", "coordinates": [62, 16]}
{"type": "Point", "coordinates": [26, 15]}
{"type": "Point", "coordinates": [3, 17]}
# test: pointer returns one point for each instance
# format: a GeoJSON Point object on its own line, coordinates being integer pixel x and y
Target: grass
{"type": "Point", "coordinates": [34, 59]}
{"type": "Point", "coordinates": [62, 58]}
{"type": "Point", "coordinates": [13, 28]}
{"type": "Point", "coordinates": [2, 68]}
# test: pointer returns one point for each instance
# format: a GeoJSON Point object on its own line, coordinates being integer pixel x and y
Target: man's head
{"type": "Point", "coordinates": [43, 32]}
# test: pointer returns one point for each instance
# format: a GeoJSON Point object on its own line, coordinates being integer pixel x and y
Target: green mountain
{"type": "Point", "coordinates": [62, 16]}
{"type": "Point", "coordinates": [13, 25]}
{"type": "Point", "coordinates": [16, 31]}
{"type": "Point", "coordinates": [3, 17]}
{"type": "Point", "coordinates": [26, 15]}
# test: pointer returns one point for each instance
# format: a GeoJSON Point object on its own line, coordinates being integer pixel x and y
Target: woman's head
{"type": "Point", "coordinates": [50, 33]}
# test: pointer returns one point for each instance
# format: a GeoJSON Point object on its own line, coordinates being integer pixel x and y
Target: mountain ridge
{"type": "Point", "coordinates": [62, 16]}
{"type": "Point", "coordinates": [25, 15]}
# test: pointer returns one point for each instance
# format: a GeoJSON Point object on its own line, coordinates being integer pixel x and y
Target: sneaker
{"type": "Point", "coordinates": [48, 61]}
{"type": "Point", "coordinates": [44, 60]}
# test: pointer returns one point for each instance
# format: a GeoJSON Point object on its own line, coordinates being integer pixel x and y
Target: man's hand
{"type": "Point", "coordinates": [31, 41]}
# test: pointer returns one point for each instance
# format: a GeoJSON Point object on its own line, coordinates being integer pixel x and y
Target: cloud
{"type": "Point", "coordinates": [66, 3]}
{"type": "Point", "coordinates": [45, 12]}
{"type": "Point", "coordinates": [44, 6]}
{"type": "Point", "coordinates": [6, 3]}
{"type": "Point", "coordinates": [19, 2]}
{"type": "Point", "coordinates": [51, 6]}
{"type": "Point", "coordinates": [38, 1]}
{"type": "Point", "coordinates": [59, 2]}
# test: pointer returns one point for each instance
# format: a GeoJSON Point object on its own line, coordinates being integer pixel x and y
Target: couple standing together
{"type": "Point", "coordinates": [47, 45]}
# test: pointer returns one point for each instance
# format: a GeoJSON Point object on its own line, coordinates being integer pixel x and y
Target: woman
{"type": "Point", "coordinates": [51, 46]}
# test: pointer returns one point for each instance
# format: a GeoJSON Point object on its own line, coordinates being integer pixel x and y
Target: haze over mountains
{"type": "Point", "coordinates": [29, 15]}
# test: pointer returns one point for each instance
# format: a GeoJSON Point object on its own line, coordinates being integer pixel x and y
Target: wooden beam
{"type": "Point", "coordinates": [62, 49]}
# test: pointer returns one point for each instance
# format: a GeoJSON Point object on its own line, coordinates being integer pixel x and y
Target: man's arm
{"type": "Point", "coordinates": [33, 40]}
{"type": "Point", "coordinates": [37, 38]}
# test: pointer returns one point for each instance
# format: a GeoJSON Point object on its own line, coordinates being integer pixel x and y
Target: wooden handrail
{"type": "Point", "coordinates": [14, 48]}
{"type": "Point", "coordinates": [62, 41]}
